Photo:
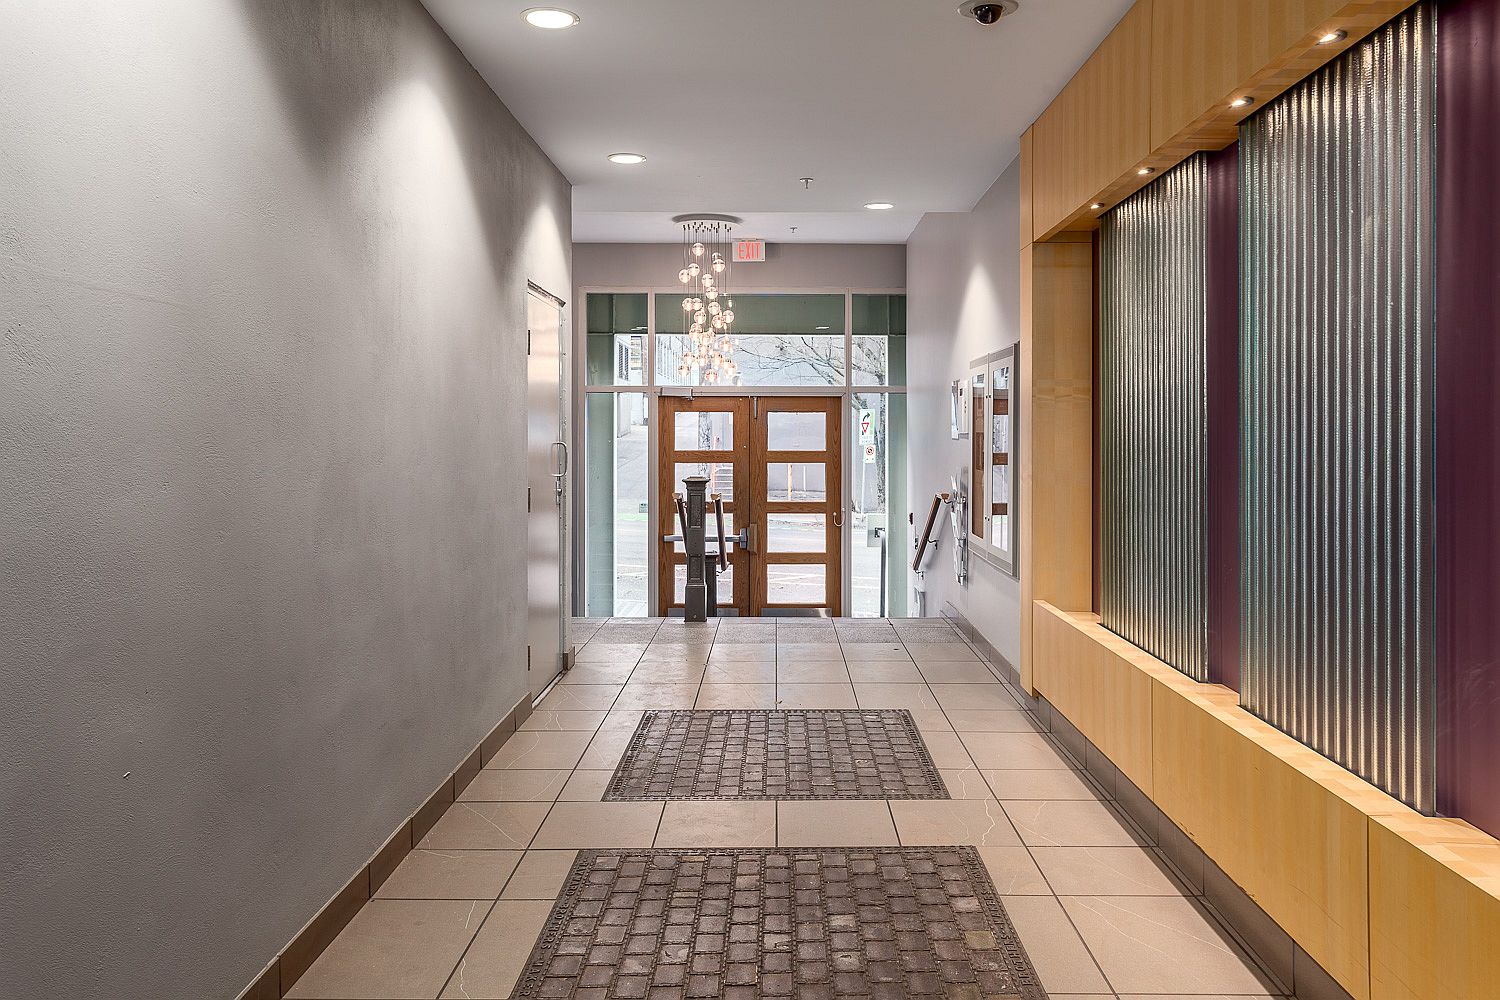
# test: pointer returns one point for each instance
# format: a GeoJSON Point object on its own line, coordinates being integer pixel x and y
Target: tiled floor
{"type": "Point", "coordinates": [1099, 914]}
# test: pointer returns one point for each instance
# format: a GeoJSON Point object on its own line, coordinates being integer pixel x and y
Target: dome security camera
{"type": "Point", "coordinates": [987, 12]}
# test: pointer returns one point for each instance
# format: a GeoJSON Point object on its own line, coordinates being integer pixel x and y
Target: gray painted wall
{"type": "Point", "coordinates": [963, 291]}
{"type": "Point", "coordinates": [262, 299]}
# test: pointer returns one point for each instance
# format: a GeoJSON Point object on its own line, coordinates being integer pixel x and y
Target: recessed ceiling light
{"type": "Point", "coordinates": [551, 18]}
{"type": "Point", "coordinates": [879, 206]}
{"type": "Point", "coordinates": [1146, 170]}
{"type": "Point", "coordinates": [627, 158]}
{"type": "Point", "coordinates": [1336, 35]}
{"type": "Point", "coordinates": [1242, 102]}
{"type": "Point", "coordinates": [1097, 205]}
{"type": "Point", "coordinates": [820, 328]}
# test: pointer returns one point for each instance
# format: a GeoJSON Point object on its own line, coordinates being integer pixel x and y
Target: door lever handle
{"type": "Point", "coordinates": [749, 543]}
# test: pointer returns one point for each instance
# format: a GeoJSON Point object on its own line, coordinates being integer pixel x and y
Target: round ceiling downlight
{"type": "Point", "coordinates": [627, 158]}
{"type": "Point", "coordinates": [879, 206]}
{"type": "Point", "coordinates": [549, 18]}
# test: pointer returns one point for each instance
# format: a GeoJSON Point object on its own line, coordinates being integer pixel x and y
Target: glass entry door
{"type": "Point", "coordinates": [796, 478]}
{"type": "Point", "coordinates": [777, 461]}
{"type": "Point", "coordinates": [703, 436]}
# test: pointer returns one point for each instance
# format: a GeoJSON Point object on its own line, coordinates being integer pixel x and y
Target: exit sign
{"type": "Point", "coordinates": [749, 251]}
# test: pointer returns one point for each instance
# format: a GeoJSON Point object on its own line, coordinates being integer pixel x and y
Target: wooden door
{"type": "Point", "coordinates": [710, 436]}
{"type": "Point", "coordinates": [795, 505]}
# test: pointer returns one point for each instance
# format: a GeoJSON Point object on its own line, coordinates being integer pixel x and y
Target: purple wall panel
{"type": "Point", "coordinates": [1223, 307]}
{"type": "Point", "coordinates": [1468, 412]}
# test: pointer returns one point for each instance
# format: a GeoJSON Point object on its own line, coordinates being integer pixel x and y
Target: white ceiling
{"type": "Point", "coordinates": [733, 100]}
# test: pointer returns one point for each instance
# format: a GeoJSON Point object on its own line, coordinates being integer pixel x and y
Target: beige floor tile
{"type": "Point", "coordinates": [1070, 824]}
{"type": "Point", "coordinates": [657, 696]}
{"type": "Point", "coordinates": [866, 651]}
{"type": "Point", "coordinates": [935, 822]}
{"type": "Point", "coordinates": [935, 652]}
{"type": "Point", "coordinates": [841, 823]}
{"type": "Point", "coordinates": [1163, 944]}
{"type": "Point", "coordinates": [814, 696]}
{"type": "Point", "coordinates": [956, 672]}
{"type": "Point", "coordinates": [911, 696]}
{"type": "Point", "coordinates": [1058, 954]}
{"type": "Point", "coordinates": [1106, 871]}
{"type": "Point", "coordinates": [1027, 751]}
{"type": "Point", "coordinates": [394, 948]}
{"type": "Point", "coordinates": [608, 746]}
{"type": "Point", "coordinates": [930, 720]}
{"type": "Point", "coordinates": [993, 721]}
{"type": "Point", "coordinates": [885, 672]}
{"type": "Point", "coordinates": [974, 697]}
{"type": "Point", "coordinates": [492, 785]}
{"type": "Point", "coordinates": [947, 751]}
{"type": "Point", "coordinates": [563, 722]}
{"type": "Point", "coordinates": [540, 750]}
{"type": "Point", "coordinates": [720, 696]}
{"type": "Point", "coordinates": [718, 824]}
{"type": "Point", "coordinates": [1013, 871]}
{"type": "Point", "coordinates": [428, 874]}
{"type": "Point", "coordinates": [574, 825]}
{"type": "Point", "coordinates": [486, 826]}
{"type": "Point", "coordinates": [966, 783]}
{"type": "Point", "coordinates": [493, 964]}
{"type": "Point", "coordinates": [741, 672]}
{"type": "Point", "coordinates": [580, 698]}
{"type": "Point", "coordinates": [739, 651]}
{"type": "Point", "coordinates": [1050, 783]}
{"type": "Point", "coordinates": [1180, 996]}
{"type": "Point", "coordinates": [540, 875]}
{"type": "Point", "coordinates": [623, 718]}
{"type": "Point", "coordinates": [677, 652]}
{"type": "Point", "coordinates": [595, 651]}
{"type": "Point", "coordinates": [668, 673]}
{"type": "Point", "coordinates": [798, 652]}
{"type": "Point", "coordinates": [811, 672]}
{"type": "Point", "coordinates": [586, 786]}
{"type": "Point", "coordinates": [599, 672]}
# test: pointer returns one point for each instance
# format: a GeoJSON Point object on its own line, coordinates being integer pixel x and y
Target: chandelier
{"type": "Point", "coordinates": [707, 309]}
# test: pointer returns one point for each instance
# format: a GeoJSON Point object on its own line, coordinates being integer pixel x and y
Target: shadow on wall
{"type": "Point", "coordinates": [307, 45]}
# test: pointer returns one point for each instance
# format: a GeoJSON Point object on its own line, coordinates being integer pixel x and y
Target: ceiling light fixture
{"type": "Point", "coordinates": [627, 158]}
{"type": "Point", "coordinates": [1145, 171]}
{"type": "Point", "coordinates": [1336, 35]}
{"type": "Point", "coordinates": [1242, 102]}
{"type": "Point", "coordinates": [549, 18]}
{"type": "Point", "coordinates": [879, 206]}
{"type": "Point", "coordinates": [707, 309]}
{"type": "Point", "coordinates": [1097, 205]}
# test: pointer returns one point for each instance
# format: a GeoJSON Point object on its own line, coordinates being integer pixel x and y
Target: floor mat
{"type": "Point", "coordinates": [811, 924]}
{"type": "Point", "coordinates": [764, 754]}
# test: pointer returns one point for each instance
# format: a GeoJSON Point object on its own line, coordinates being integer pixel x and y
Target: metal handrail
{"type": "Point", "coordinates": [938, 500]}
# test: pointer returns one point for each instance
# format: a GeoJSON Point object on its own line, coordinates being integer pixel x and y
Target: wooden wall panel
{"type": "Point", "coordinates": [1098, 127]}
{"type": "Point", "coordinates": [1249, 797]}
{"type": "Point", "coordinates": [1094, 683]}
{"type": "Point", "coordinates": [1203, 54]}
{"type": "Point", "coordinates": [1026, 234]}
{"type": "Point", "coordinates": [1434, 909]}
{"type": "Point", "coordinates": [1057, 412]}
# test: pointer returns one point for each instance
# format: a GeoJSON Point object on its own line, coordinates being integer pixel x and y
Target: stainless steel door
{"type": "Point", "coordinates": [546, 481]}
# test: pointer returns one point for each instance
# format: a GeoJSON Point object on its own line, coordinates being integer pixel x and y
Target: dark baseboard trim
{"type": "Point", "coordinates": [318, 933]}
{"type": "Point", "coordinates": [1289, 968]}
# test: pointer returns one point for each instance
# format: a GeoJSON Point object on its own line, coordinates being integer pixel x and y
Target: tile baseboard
{"type": "Point", "coordinates": [317, 934]}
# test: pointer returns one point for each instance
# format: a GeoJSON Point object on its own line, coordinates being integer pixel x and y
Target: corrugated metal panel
{"type": "Point", "coordinates": [1153, 378]}
{"type": "Point", "coordinates": [1337, 338]}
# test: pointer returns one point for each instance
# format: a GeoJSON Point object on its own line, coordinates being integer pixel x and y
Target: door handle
{"type": "Point", "coordinates": [750, 534]}
{"type": "Point", "coordinates": [838, 519]}
{"type": "Point", "coordinates": [561, 469]}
